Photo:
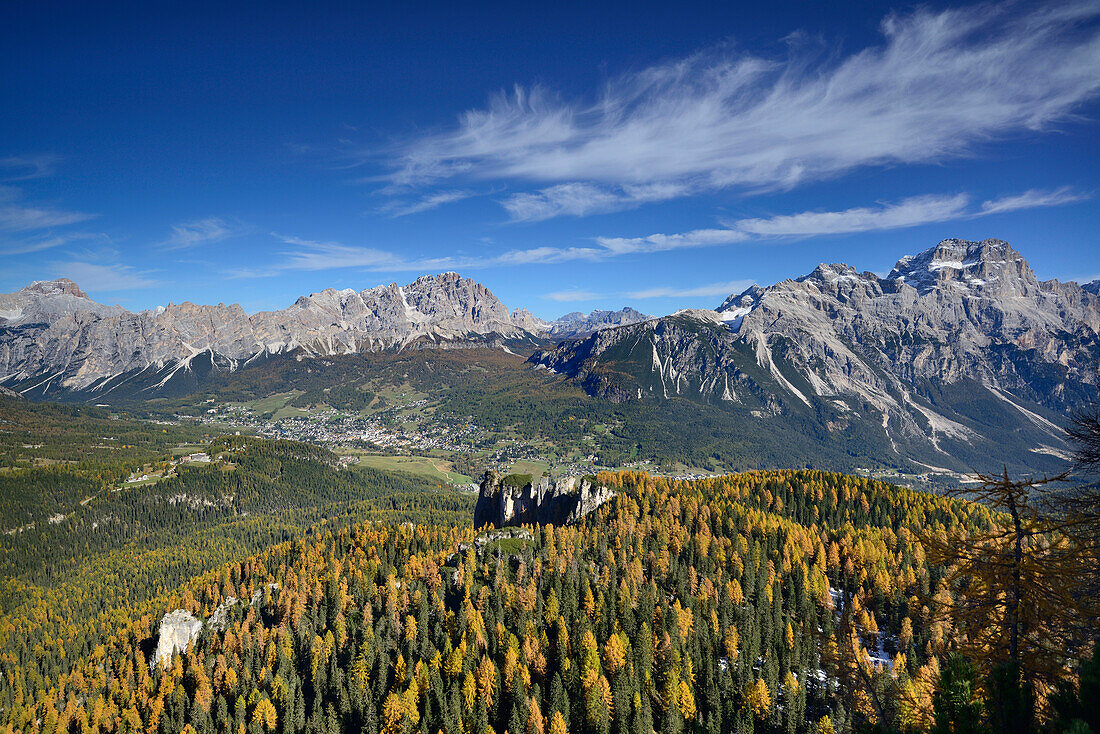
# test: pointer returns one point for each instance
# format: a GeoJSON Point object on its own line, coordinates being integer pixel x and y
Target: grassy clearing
{"type": "Point", "coordinates": [535, 468]}
{"type": "Point", "coordinates": [272, 402]}
{"type": "Point", "coordinates": [400, 396]}
{"type": "Point", "coordinates": [440, 470]}
{"type": "Point", "coordinates": [189, 448]}
{"type": "Point", "coordinates": [289, 411]}
{"type": "Point", "coordinates": [506, 546]}
{"type": "Point", "coordinates": [141, 483]}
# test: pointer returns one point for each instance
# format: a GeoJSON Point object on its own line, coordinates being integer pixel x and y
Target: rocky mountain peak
{"type": "Point", "coordinates": [746, 299]}
{"type": "Point", "coordinates": [49, 300]}
{"type": "Point", "coordinates": [831, 273]}
{"type": "Point", "coordinates": [58, 287]}
{"type": "Point", "coordinates": [990, 265]}
{"type": "Point", "coordinates": [904, 357]}
{"type": "Point", "coordinates": [449, 276]}
{"type": "Point", "coordinates": [458, 304]}
{"type": "Point", "coordinates": [329, 297]}
{"type": "Point", "coordinates": [579, 324]}
{"type": "Point", "coordinates": [526, 320]}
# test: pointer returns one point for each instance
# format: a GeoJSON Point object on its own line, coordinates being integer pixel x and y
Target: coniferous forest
{"type": "Point", "coordinates": [355, 600]}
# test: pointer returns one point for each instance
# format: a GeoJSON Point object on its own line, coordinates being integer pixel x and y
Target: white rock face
{"type": "Point", "coordinates": [53, 330]}
{"type": "Point", "coordinates": [526, 320]}
{"type": "Point", "coordinates": [48, 300]}
{"type": "Point", "coordinates": [258, 594]}
{"type": "Point", "coordinates": [177, 630]}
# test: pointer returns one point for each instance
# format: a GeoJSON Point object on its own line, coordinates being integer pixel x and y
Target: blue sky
{"type": "Point", "coordinates": [570, 157]}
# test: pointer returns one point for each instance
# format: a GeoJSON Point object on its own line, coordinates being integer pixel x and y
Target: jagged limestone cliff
{"type": "Point", "coordinates": [517, 500]}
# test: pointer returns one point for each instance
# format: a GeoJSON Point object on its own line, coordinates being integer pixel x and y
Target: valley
{"type": "Point", "coordinates": [712, 529]}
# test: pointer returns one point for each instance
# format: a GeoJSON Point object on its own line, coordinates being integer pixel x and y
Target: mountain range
{"type": "Point", "coordinates": [52, 333]}
{"type": "Point", "coordinates": [957, 348]}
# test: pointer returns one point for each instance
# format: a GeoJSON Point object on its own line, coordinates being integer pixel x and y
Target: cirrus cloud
{"type": "Point", "coordinates": [1032, 199]}
{"type": "Point", "coordinates": [105, 277]}
{"type": "Point", "coordinates": [906, 213]}
{"type": "Point", "coordinates": [18, 218]}
{"type": "Point", "coordinates": [708, 290]}
{"type": "Point", "coordinates": [938, 86]}
{"type": "Point", "coordinates": [580, 199]}
{"type": "Point", "coordinates": [911, 212]}
{"type": "Point", "coordinates": [197, 232]}
{"type": "Point", "coordinates": [305, 254]}
{"type": "Point", "coordinates": [426, 203]}
{"type": "Point", "coordinates": [574, 296]}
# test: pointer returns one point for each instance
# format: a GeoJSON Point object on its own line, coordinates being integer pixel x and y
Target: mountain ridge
{"type": "Point", "coordinates": [576, 324]}
{"type": "Point", "coordinates": [53, 326]}
{"type": "Point", "coordinates": [882, 354]}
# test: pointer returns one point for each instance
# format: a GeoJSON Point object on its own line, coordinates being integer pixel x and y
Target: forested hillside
{"type": "Point", "coordinates": [114, 551]}
{"type": "Point", "coordinates": [768, 601]}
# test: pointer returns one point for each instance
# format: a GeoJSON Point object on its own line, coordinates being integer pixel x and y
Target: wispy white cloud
{"type": "Point", "coordinates": [906, 213]}
{"type": "Point", "coordinates": [580, 199]}
{"type": "Point", "coordinates": [38, 244]}
{"type": "Point", "coordinates": [18, 218]}
{"type": "Point", "coordinates": [27, 167]}
{"type": "Point", "coordinates": [1033, 199]}
{"type": "Point", "coordinates": [663, 242]}
{"type": "Point", "coordinates": [309, 255]}
{"type": "Point", "coordinates": [575, 295]}
{"type": "Point", "coordinates": [911, 212]}
{"type": "Point", "coordinates": [30, 228]}
{"type": "Point", "coordinates": [305, 254]}
{"type": "Point", "coordinates": [426, 203]}
{"type": "Point", "coordinates": [709, 290]}
{"type": "Point", "coordinates": [312, 255]}
{"type": "Point", "coordinates": [939, 85]}
{"type": "Point", "coordinates": [99, 277]}
{"type": "Point", "coordinates": [201, 232]}
{"type": "Point", "coordinates": [539, 256]}
{"type": "Point", "coordinates": [701, 291]}
{"type": "Point", "coordinates": [249, 273]}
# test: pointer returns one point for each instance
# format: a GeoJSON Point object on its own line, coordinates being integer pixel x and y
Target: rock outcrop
{"type": "Point", "coordinates": [220, 618]}
{"type": "Point", "coordinates": [527, 321]}
{"type": "Point", "coordinates": [177, 630]}
{"type": "Point", "coordinates": [517, 500]}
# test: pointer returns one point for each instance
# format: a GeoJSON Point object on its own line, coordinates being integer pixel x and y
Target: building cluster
{"type": "Point", "coordinates": [331, 427]}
